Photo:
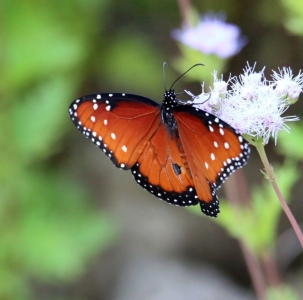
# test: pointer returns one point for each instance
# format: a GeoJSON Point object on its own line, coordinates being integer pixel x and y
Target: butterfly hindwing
{"type": "Point", "coordinates": [162, 170]}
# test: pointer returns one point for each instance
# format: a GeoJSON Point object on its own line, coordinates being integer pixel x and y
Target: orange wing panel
{"type": "Point", "coordinates": [121, 131]}
{"type": "Point", "coordinates": [212, 148]}
{"type": "Point", "coordinates": [162, 171]}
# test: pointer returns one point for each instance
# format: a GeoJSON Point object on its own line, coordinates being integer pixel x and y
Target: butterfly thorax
{"type": "Point", "coordinates": [170, 122]}
{"type": "Point", "coordinates": [168, 104]}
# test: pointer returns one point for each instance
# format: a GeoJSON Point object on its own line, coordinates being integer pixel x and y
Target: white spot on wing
{"type": "Point", "coordinates": [124, 148]}
{"type": "Point", "coordinates": [105, 122]}
{"type": "Point", "coordinates": [113, 136]}
{"type": "Point", "coordinates": [93, 119]}
{"type": "Point", "coordinates": [212, 156]}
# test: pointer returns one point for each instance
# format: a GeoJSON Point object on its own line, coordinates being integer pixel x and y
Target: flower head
{"type": "Point", "coordinates": [212, 35]}
{"type": "Point", "coordinates": [211, 102]}
{"type": "Point", "coordinates": [287, 86]}
{"type": "Point", "coordinates": [254, 105]}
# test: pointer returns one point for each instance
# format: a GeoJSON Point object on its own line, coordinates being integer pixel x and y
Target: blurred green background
{"type": "Point", "coordinates": [71, 225]}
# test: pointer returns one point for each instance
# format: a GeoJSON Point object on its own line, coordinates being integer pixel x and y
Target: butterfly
{"type": "Point", "coordinates": [177, 152]}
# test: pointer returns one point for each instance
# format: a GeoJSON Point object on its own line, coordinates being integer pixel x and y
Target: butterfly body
{"type": "Point", "coordinates": [177, 152]}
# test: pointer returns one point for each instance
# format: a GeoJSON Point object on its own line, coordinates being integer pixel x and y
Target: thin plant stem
{"type": "Point", "coordinates": [255, 271]}
{"type": "Point", "coordinates": [272, 179]}
{"type": "Point", "coordinates": [237, 193]}
{"type": "Point", "coordinates": [185, 8]}
{"type": "Point", "coordinates": [270, 268]}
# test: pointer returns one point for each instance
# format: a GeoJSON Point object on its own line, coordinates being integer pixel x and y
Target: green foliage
{"type": "Point", "coordinates": [290, 143]}
{"type": "Point", "coordinates": [257, 224]}
{"type": "Point", "coordinates": [44, 40]}
{"type": "Point", "coordinates": [281, 293]}
{"type": "Point", "coordinates": [294, 19]}
{"type": "Point", "coordinates": [42, 116]}
{"type": "Point", "coordinates": [145, 64]}
{"type": "Point", "coordinates": [49, 228]}
{"type": "Point", "coordinates": [57, 230]}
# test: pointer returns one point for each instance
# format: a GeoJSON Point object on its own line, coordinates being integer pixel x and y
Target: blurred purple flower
{"type": "Point", "coordinates": [212, 35]}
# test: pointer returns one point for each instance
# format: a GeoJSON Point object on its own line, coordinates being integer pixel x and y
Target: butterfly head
{"type": "Point", "coordinates": [168, 104]}
{"type": "Point", "coordinates": [170, 94]}
{"type": "Point", "coordinates": [170, 99]}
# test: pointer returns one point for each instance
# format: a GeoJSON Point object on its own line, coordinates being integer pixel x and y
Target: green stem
{"type": "Point", "coordinates": [272, 179]}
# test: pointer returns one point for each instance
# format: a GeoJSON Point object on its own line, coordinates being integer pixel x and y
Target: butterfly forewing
{"type": "Point", "coordinates": [119, 124]}
{"type": "Point", "coordinates": [213, 150]}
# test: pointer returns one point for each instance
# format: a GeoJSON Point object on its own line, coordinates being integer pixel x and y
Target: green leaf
{"type": "Point", "coordinates": [282, 292]}
{"type": "Point", "coordinates": [134, 63]}
{"type": "Point", "coordinates": [290, 144]}
{"type": "Point", "coordinates": [51, 42]}
{"type": "Point", "coordinates": [50, 229]}
{"type": "Point", "coordinates": [294, 19]}
{"type": "Point", "coordinates": [257, 224]}
{"type": "Point", "coordinates": [39, 121]}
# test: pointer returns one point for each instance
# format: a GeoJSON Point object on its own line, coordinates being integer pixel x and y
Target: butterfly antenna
{"type": "Point", "coordinates": [185, 73]}
{"type": "Point", "coordinates": [164, 78]}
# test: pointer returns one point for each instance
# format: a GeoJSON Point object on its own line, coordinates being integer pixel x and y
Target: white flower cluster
{"type": "Point", "coordinates": [253, 105]}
